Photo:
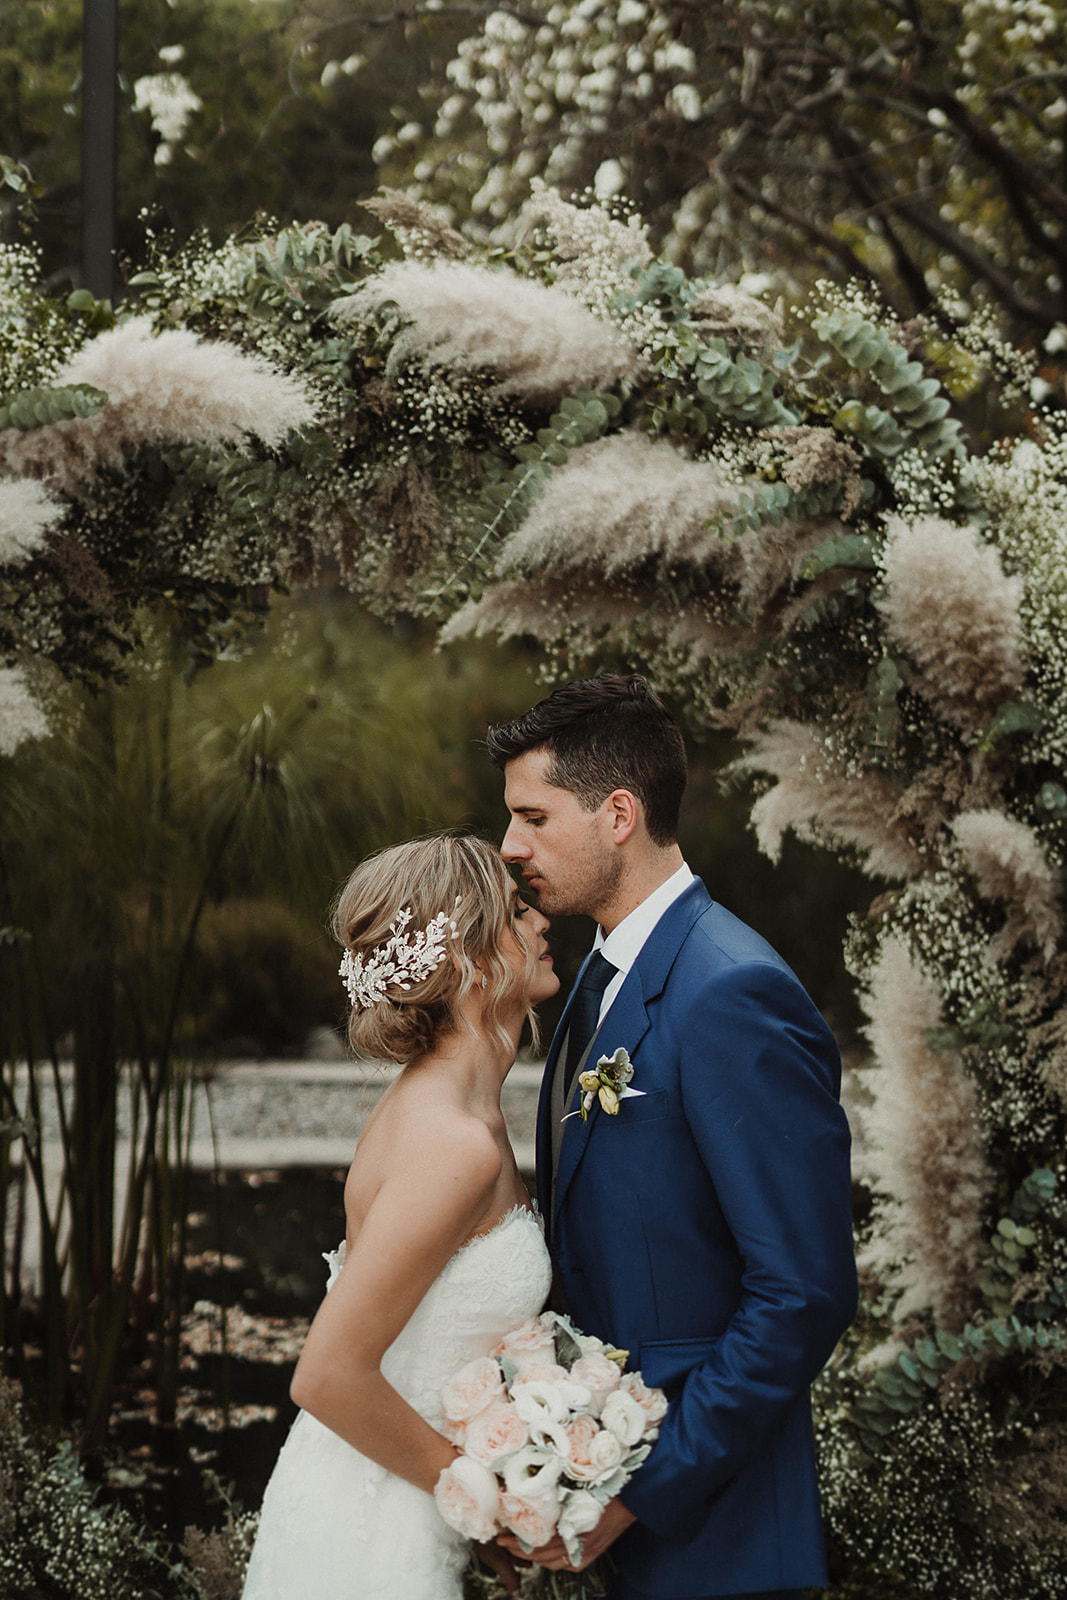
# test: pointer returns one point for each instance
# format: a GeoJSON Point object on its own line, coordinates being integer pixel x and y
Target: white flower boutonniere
{"type": "Point", "coordinates": [608, 1082]}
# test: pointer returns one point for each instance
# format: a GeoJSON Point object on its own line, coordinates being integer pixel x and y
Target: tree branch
{"type": "Point", "coordinates": [1016, 175]}
{"type": "Point", "coordinates": [933, 224]}
{"type": "Point", "coordinates": [858, 174]}
{"type": "Point", "coordinates": [807, 228]}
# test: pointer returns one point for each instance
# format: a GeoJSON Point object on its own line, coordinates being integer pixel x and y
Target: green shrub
{"type": "Point", "coordinates": [261, 978]}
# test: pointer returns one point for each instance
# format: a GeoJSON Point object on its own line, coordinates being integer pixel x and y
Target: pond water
{"type": "Point", "coordinates": [255, 1259]}
{"type": "Point", "coordinates": [254, 1255]}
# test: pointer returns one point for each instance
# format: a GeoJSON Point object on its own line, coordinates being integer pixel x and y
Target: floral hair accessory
{"type": "Point", "coordinates": [402, 960]}
{"type": "Point", "coordinates": [609, 1083]}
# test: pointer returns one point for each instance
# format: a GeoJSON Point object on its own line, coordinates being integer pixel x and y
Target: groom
{"type": "Point", "coordinates": [705, 1227]}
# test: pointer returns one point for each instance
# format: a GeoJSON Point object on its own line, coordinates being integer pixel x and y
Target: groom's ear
{"type": "Point", "coordinates": [623, 811]}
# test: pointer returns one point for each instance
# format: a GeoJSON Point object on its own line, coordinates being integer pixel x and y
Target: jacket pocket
{"type": "Point", "coordinates": [642, 1107]}
{"type": "Point", "coordinates": [666, 1363]}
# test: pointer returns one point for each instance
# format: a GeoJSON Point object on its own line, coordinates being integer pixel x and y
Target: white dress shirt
{"type": "Point", "coordinates": [624, 943]}
{"type": "Point", "coordinates": [622, 946]}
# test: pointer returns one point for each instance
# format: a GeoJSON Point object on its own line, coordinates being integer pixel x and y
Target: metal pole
{"type": "Point", "coordinates": [99, 145]}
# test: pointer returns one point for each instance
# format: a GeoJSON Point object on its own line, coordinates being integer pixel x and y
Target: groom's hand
{"type": "Point", "coordinates": [500, 1562]}
{"type": "Point", "coordinates": [616, 1520]}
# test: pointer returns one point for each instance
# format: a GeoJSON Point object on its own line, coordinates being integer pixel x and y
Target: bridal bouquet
{"type": "Point", "coordinates": [551, 1428]}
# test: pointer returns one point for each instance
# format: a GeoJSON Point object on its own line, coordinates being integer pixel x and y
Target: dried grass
{"type": "Point", "coordinates": [923, 1149]}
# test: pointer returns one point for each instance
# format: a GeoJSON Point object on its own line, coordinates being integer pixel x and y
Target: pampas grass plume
{"type": "Point", "coordinates": [949, 604]}
{"type": "Point", "coordinates": [170, 388]}
{"type": "Point", "coordinates": [26, 514]}
{"type": "Point", "coordinates": [537, 341]}
{"type": "Point", "coordinates": [924, 1154]}
{"type": "Point", "coordinates": [173, 385]}
{"type": "Point", "coordinates": [1009, 865]}
{"type": "Point", "coordinates": [813, 798]}
{"type": "Point", "coordinates": [619, 502]}
{"type": "Point", "coordinates": [21, 718]}
{"type": "Point", "coordinates": [548, 607]}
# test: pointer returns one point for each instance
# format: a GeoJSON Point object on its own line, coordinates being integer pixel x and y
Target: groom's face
{"type": "Point", "coordinates": [562, 850]}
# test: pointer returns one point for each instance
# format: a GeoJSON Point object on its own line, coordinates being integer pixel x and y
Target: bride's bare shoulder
{"type": "Point", "coordinates": [427, 1139]}
{"type": "Point", "coordinates": [421, 1106]}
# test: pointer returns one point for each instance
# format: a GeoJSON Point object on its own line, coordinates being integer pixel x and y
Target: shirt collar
{"type": "Point", "coordinates": [623, 944]}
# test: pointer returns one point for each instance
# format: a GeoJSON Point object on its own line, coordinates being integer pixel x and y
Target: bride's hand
{"type": "Point", "coordinates": [499, 1561]}
{"type": "Point", "coordinates": [615, 1520]}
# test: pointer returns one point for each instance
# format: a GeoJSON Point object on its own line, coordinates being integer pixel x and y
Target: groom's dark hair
{"type": "Point", "coordinates": [605, 733]}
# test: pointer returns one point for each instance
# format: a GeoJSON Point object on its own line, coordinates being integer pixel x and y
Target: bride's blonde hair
{"type": "Point", "coordinates": [466, 878]}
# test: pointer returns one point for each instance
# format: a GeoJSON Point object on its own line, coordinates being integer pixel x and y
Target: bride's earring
{"type": "Point", "coordinates": [485, 980]}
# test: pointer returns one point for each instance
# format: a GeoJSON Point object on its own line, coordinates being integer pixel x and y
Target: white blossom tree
{"type": "Point", "coordinates": [915, 145]}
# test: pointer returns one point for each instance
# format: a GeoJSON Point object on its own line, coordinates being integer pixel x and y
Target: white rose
{"type": "Point", "coordinates": [589, 1344]}
{"type": "Point", "coordinates": [605, 1454]}
{"type": "Point", "coordinates": [581, 1513]}
{"type": "Point", "coordinates": [531, 1472]}
{"type": "Point", "coordinates": [624, 1417]}
{"type": "Point", "coordinates": [653, 1402]}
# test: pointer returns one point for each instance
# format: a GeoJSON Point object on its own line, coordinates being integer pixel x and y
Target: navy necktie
{"type": "Point", "coordinates": [584, 1013]}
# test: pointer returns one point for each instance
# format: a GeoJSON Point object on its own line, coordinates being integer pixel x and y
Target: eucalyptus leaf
{"type": "Point", "coordinates": [851, 550]}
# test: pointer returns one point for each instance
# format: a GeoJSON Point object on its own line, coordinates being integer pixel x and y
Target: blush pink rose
{"type": "Point", "coordinates": [533, 1521]}
{"type": "Point", "coordinates": [473, 1388]}
{"type": "Point", "coordinates": [653, 1402]}
{"type": "Point", "coordinates": [496, 1431]}
{"type": "Point", "coordinates": [541, 1372]}
{"type": "Point", "coordinates": [467, 1496]}
{"type": "Point", "coordinates": [532, 1341]}
{"type": "Point", "coordinates": [580, 1434]}
{"type": "Point", "coordinates": [600, 1376]}
{"type": "Point", "coordinates": [454, 1432]}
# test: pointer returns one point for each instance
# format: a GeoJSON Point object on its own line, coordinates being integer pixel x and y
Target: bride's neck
{"type": "Point", "coordinates": [474, 1061]}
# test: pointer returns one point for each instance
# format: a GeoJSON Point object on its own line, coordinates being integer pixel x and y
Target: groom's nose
{"type": "Point", "coordinates": [512, 846]}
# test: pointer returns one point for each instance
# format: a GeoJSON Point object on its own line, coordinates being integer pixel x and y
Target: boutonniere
{"type": "Point", "coordinates": [608, 1082]}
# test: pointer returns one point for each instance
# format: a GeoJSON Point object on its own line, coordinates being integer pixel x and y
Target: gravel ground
{"type": "Point", "coordinates": [309, 1113]}
{"type": "Point", "coordinates": [276, 1114]}
{"type": "Point", "coordinates": [267, 1117]}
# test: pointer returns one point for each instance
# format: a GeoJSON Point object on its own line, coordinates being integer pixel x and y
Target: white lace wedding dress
{"type": "Point", "coordinates": [336, 1526]}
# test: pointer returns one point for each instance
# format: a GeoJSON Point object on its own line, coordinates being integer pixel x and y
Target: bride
{"type": "Point", "coordinates": [442, 1255]}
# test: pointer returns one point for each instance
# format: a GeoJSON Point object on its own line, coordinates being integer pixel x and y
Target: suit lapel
{"type": "Point", "coordinates": [627, 1021]}
{"type": "Point", "coordinates": [625, 1024]}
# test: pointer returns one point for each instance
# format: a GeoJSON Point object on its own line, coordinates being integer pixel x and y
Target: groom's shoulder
{"type": "Point", "coordinates": [718, 936]}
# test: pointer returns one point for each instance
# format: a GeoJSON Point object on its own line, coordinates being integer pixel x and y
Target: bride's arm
{"type": "Point", "coordinates": [440, 1184]}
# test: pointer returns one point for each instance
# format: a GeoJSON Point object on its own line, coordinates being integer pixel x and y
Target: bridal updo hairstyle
{"type": "Point", "coordinates": [467, 879]}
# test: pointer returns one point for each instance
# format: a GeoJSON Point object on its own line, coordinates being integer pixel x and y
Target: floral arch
{"type": "Point", "coordinates": [843, 538]}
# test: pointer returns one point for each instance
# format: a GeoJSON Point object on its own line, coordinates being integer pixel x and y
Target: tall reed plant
{"type": "Point", "coordinates": [152, 803]}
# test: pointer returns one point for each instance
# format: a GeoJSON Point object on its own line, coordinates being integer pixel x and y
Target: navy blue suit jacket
{"type": "Point", "coordinates": [707, 1230]}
